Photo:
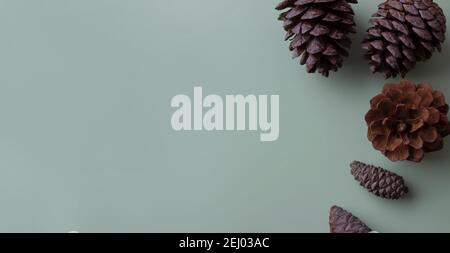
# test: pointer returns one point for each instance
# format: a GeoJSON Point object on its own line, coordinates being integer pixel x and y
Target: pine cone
{"type": "Point", "coordinates": [342, 221]}
{"type": "Point", "coordinates": [318, 32]}
{"type": "Point", "coordinates": [379, 181]}
{"type": "Point", "coordinates": [407, 120]}
{"type": "Point", "coordinates": [404, 32]}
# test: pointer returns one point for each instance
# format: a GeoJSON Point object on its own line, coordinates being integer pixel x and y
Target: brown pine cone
{"type": "Point", "coordinates": [407, 120]}
{"type": "Point", "coordinates": [404, 32]}
{"type": "Point", "coordinates": [379, 181]}
{"type": "Point", "coordinates": [342, 221]}
{"type": "Point", "coordinates": [318, 32]}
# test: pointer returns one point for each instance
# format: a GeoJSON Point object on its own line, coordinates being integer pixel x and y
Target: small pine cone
{"type": "Point", "coordinates": [407, 120]}
{"type": "Point", "coordinates": [342, 221]}
{"type": "Point", "coordinates": [379, 181]}
{"type": "Point", "coordinates": [318, 31]}
{"type": "Point", "coordinates": [404, 32]}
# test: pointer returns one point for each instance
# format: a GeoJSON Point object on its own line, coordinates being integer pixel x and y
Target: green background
{"type": "Point", "coordinates": [86, 142]}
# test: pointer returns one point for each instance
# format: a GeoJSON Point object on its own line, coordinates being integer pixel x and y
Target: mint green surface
{"type": "Point", "coordinates": [86, 142]}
